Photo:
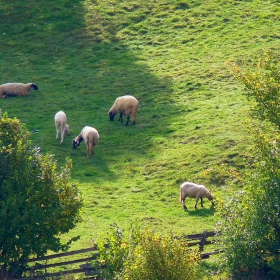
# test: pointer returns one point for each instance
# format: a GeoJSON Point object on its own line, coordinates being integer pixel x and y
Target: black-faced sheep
{"type": "Point", "coordinates": [91, 137]}
{"type": "Point", "coordinates": [124, 105]}
{"type": "Point", "coordinates": [61, 126]}
{"type": "Point", "coordinates": [192, 190]}
{"type": "Point", "coordinates": [18, 89]}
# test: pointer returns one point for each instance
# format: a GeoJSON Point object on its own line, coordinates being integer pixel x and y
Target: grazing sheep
{"type": "Point", "coordinates": [124, 105]}
{"type": "Point", "coordinates": [60, 124]}
{"type": "Point", "coordinates": [91, 137]}
{"type": "Point", "coordinates": [18, 89]}
{"type": "Point", "coordinates": [193, 190]}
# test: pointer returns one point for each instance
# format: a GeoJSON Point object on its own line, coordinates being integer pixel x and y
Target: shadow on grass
{"type": "Point", "coordinates": [73, 52]}
{"type": "Point", "coordinates": [201, 212]}
{"type": "Point", "coordinates": [212, 270]}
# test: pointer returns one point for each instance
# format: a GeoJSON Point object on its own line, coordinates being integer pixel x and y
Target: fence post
{"type": "Point", "coordinates": [202, 241]}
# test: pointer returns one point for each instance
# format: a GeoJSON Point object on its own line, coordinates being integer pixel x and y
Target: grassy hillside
{"type": "Point", "coordinates": [171, 55]}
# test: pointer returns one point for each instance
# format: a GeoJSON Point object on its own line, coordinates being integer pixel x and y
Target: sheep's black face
{"type": "Point", "coordinates": [111, 116]}
{"type": "Point", "coordinates": [75, 144]}
{"type": "Point", "coordinates": [34, 87]}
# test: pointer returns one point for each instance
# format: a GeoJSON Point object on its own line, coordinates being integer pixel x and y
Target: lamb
{"type": "Point", "coordinates": [18, 89]}
{"type": "Point", "coordinates": [192, 190]}
{"type": "Point", "coordinates": [91, 137]}
{"type": "Point", "coordinates": [61, 126]}
{"type": "Point", "coordinates": [124, 105]}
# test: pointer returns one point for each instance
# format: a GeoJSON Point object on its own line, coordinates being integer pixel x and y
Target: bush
{"type": "Point", "coordinates": [113, 252]}
{"type": "Point", "coordinates": [144, 254]}
{"type": "Point", "coordinates": [251, 233]}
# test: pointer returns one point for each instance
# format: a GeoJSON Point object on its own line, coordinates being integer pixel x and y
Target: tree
{"type": "Point", "coordinates": [37, 203]}
{"type": "Point", "coordinates": [262, 85]}
{"type": "Point", "coordinates": [251, 225]}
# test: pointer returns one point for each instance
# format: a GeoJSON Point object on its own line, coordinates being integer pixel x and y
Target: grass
{"type": "Point", "coordinates": [172, 56]}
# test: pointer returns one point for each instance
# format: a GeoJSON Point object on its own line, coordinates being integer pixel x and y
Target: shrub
{"type": "Point", "coordinates": [113, 251]}
{"type": "Point", "coordinates": [157, 256]}
{"type": "Point", "coordinates": [144, 254]}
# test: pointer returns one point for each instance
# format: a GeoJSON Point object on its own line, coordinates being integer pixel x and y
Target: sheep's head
{"type": "Point", "coordinates": [33, 86]}
{"type": "Point", "coordinates": [111, 115]}
{"type": "Point", "coordinates": [210, 197]}
{"type": "Point", "coordinates": [75, 143]}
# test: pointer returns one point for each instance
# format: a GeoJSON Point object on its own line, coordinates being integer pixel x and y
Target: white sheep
{"type": "Point", "coordinates": [91, 137]}
{"type": "Point", "coordinates": [124, 105]}
{"type": "Point", "coordinates": [18, 89]}
{"type": "Point", "coordinates": [61, 126]}
{"type": "Point", "coordinates": [192, 190]}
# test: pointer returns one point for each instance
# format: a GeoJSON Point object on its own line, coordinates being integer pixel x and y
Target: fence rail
{"type": "Point", "coordinates": [201, 240]}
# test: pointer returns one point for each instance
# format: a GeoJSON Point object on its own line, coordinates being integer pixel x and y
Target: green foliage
{"type": "Point", "coordinates": [114, 255]}
{"type": "Point", "coordinates": [145, 254]}
{"type": "Point", "coordinates": [158, 256]}
{"type": "Point", "coordinates": [37, 202]}
{"type": "Point", "coordinates": [261, 81]}
{"type": "Point", "coordinates": [251, 227]}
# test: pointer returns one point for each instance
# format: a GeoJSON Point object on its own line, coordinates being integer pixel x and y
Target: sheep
{"type": "Point", "coordinates": [124, 105]}
{"type": "Point", "coordinates": [91, 137]}
{"type": "Point", "coordinates": [18, 89]}
{"type": "Point", "coordinates": [192, 190]}
{"type": "Point", "coordinates": [61, 126]}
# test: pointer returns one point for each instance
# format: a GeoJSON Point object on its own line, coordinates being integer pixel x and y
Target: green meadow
{"type": "Point", "coordinates": [172, 56]}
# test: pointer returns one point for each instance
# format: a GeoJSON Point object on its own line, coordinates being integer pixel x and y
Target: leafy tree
{"type": "Point", "coordinates": [262, 85]}
{"type": "Point", "coordinates": [251, 228]}
{"type": "Point", "coordinates": [37, 203]}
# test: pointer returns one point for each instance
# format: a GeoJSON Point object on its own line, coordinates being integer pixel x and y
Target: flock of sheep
{"type": "Point", "coordinates": [124, 105]}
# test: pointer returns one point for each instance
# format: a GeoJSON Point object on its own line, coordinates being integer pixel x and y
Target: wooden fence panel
{"type": "Point", "coordinates": [64, 254]}
{"type": "Point", "coordinates": [87, 268]}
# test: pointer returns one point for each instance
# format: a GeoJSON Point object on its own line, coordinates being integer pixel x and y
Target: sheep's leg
{"type": "Point", "coordinates": [62, 137]}
{"type": "Point", "coordinates": [90, 150]}
{"type": "Point", "coordinates": [87, 151]}
{"type": "Point", "coordinates": [201, 202]}
{"type": "Point", "coordinates": [121, 118]}
{"type": "Point", "coordinates": [133, 118]}
{"type": "Point", "coordinates": [184, 203]}
{"type": "Point", "coordinates": [57, 131]}
{"type": "Point", "coordinates": [127, 120]}
{"type": "Point", "coordinates": [195, 206]}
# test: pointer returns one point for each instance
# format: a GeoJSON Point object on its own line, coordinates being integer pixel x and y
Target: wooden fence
{"type": "Point", "coordinates": [40, 266]}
